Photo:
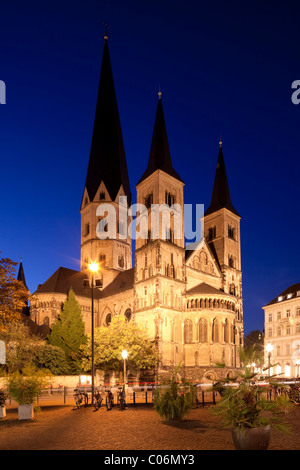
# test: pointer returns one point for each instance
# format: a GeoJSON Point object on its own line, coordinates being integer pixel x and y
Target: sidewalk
{"type": "Point", "coordinates": [136, 428]}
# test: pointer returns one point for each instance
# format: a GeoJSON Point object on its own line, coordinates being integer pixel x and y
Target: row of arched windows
{"type": "Point", "coordinates": [210, 303]}
{"type": "Point", "coordinates": [200, 332]}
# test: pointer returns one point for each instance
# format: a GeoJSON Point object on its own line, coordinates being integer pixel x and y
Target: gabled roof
{"type": "Point", "coordinates": [160, 157]}
{"type": "Point", "coordinates": [220, 196]}
{"type": "Point", "coordinates": [204, 288]}
{"type": "Point", "coordinates": [63, 280]}
{"type": "Point", "coordinates": [288, 294]}
{"type": "Point", "coordinates": [124, 281]}
{"type": "Point", "coordinates": [107, 160]}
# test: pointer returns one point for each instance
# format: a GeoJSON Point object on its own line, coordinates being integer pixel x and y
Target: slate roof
{"type": "Point", "coordinates": [160, 157]}
{"type": "Point", "coordinates": [203, 288]}
{"type": "Point", "coordinates": [63, 280]}
{"type": "Point", "coordinates": [220, 196]}
{"type": "Point", "coordinates": [107, 160]}
{"type": "Point", "coordinates": [124, 281]}
{"type": "Point", "coordinates": [292, 290]}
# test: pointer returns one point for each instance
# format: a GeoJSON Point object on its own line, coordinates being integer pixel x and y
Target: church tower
{"type": "Point", "coordinates": [104, 237]}
{"type": "Point", "coordinates": [160, 252]}
{"type": "Point", "coordinates": [222, 231]}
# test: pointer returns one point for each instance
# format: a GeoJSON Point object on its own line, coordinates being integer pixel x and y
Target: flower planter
{"type": "Point", "coordinates": [251, 438]}
{"type": "Point", "coordinates": [25, 411]}
{"type": "Point", "coordinates": [2, 412]}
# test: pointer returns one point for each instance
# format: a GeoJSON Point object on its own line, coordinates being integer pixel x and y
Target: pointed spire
{"type": "Point", "coordinates": [21, 275]}
{"type": "Point", "coordinates": [220, 196]}
{"type": "Point", "coordinates": [160, 157]}
{"type": "Point", "coordinates": [107, 161]}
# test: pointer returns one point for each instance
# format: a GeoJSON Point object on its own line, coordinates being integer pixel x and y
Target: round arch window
{"type": "Point", "coordinates": [108, 319]}
{"type": "Point", "coordinates": [128, 314]}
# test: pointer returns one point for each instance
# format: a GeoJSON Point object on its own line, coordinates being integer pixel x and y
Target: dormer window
{"type": "Point", "coordinates": [280, 298]}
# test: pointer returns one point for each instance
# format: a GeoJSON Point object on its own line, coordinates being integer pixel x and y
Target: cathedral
{"type": "Point", "coordinates": [189, 301]}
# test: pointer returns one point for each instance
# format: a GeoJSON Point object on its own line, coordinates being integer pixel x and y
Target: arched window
{"type": "Point", "coordinates": [226, 331]}
{"type": "Point", "coordinates": [215, 331]}
{"type": "Point", "coordinates": [108, 319]}
{"type": "Point", "coordinates": [128, 314]}
{"type": "Point", "coordinates": [202, 330]}
{"type": "Point", "coordinates": [188, 331]}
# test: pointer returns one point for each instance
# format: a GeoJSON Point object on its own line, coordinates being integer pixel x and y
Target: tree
{"type": "Point", "coordinates": [52, 358]}
{"type": "Point", "coordinates": [68, 332]}
{"type": "Point", "coordinates": [255, 340]}
{"type": "Point", "coordinates": [21, 346]}
{"type": "Point", "coordinates": [13, 294]}
{"type": "Point", "coordinates": [109, 343]}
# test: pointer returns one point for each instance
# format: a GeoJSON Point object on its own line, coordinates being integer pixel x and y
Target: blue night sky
{"type": "Point", "coordinates": [225, 68]}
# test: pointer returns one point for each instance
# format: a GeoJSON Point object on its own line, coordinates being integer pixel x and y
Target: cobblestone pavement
{"type": "Point", "coordinates": [136, 428]}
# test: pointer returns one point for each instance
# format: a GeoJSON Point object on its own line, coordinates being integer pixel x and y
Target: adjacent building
{"type": "Point", "coordinates": [282, 332]}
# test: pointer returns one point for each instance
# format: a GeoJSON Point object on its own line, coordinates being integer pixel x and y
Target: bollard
{"type": "Point", "coordinates": [65, 395]}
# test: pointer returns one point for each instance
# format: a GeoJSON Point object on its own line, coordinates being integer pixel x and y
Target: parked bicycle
{"type": "Point", "coordinates": [79, 398]}
{"type": "Point", "coordinates": [121, 398]}
{"type": "Point", "coordinates": [97, 400]}
{"type": "Point", "coordinates": [109, 400]}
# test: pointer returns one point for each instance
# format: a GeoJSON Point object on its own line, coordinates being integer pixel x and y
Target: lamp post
{"type": "Point", "coordinates": [269, 349]}
{"type": "Point", "coordinates": [93, 268]}
{"type": "Point", "coordinates": [124, 355]}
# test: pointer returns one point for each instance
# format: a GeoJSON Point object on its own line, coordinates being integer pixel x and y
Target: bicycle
{"type": "Point", "coordinates": [121, 398]}
{"type": "Point", "coordinates": [97, 400]}
{"type": "Point", "coordinates": [78, 397]}
{"type": "Point", "coordinates": [109, 401]}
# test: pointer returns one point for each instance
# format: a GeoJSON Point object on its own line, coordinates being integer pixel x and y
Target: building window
{"type": "Point", "coordinates": [121, 261]}
{"type": "Point", "coordinates": [148, 200]}
{"type": "Point", "coordinates": [278, 331]}
{"type": "Point", "coordinates": [288, 330]}
{"type": "Point", "coordinates": [108, 319]}
{"type": "Point", "coordinates": [288, 313]}
{"type": "Point", "coordinates": [188, 331]}
{"type": "Point", "coordinates": [270, 317]}
{"type": "Point", "coordinates": [297, 312]}
{"type": "Point", "coordinates": [169, 198]}
{"type": "Point", "coordinates": [231, 232]}
{"type": "Point", "coordinates": [128, 315]}
{"type": "Point", "coordinates": [86, 229]}
{"type": "Point", "coordinates": [278, 350]}
{"type": "Point", "coordinates": [230, 261]}
{"type": "Point", "coordinates": [278, 315]}
{"type": "Point", "coordinates": [287, 349]}
{"type": "Point", "coordinates": [102, 258]}
{"type": "Point", "coordinates": [270, 333]}
{"type": "Point", "coordinates": [202, 330]}
{"type": "Point", "coordinates": [102, 195]}
{"type": "Point", "coordinates": [297, 327]}
{"type": "Point", "coordinates": [211, 233]}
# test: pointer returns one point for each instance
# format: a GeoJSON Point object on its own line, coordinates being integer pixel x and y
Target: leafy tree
{"type": "Point", "coordinates": [109, 343]}
{"type": "Point", "coordinates": [21, 346]}
{"type": "Point", "coordinates": [13, 294]}
{"type": "Point", "coordinates": [52, 358]}
{"type": "Point", "coordinates": [68, 332]}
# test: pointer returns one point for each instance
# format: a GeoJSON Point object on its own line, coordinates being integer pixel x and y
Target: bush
{"type": "Point", "coordinates": [174, 400]}
{"type": "Point", "coordinates": [52, 358]}
{"type": "Point", "coordinates": [25, 387]}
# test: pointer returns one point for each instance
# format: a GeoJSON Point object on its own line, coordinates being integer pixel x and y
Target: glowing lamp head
{"type": "Point", "coordinates": [93, 267]}
{"type": "Point", "coordinates": [124, 354]}
{"type": "Point", "coordinates": [269, 348]}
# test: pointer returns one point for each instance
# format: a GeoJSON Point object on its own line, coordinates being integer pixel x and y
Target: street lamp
{"type": "Point", "coordinates": [269, 349]}
{"type": "Point", "coordinates": [124, 355]}
{"type": "Point", "coordinates": [93, 268]}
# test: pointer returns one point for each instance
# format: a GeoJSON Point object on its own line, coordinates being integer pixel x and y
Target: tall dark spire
{"type": "Point", "coordinates": [160, 157]}
{"type": "Point", "coordinates": [21, 275]}
{"type": "Point", "coordinates": [107, 161]}
{"type": "Point", "coordinates": [220, 196]}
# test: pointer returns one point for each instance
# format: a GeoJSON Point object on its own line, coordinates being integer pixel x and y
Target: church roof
{"type": "Point", "coordinates": [220, 196]}
{"type": "Point", "coordinates": [290, 293]}
{"type": "Point", "coordinates": [124, 281]}
{"type": "Point", "coordinates": [107, 160]}
{"type": "Point", "coordinates": [203, 288]}
{"type": "Point", "coordinates": [63, 280]}
{"type": "Point", "coordinates": [21, 275]}
{"type": "Point", "coordinates": [160, 157]}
